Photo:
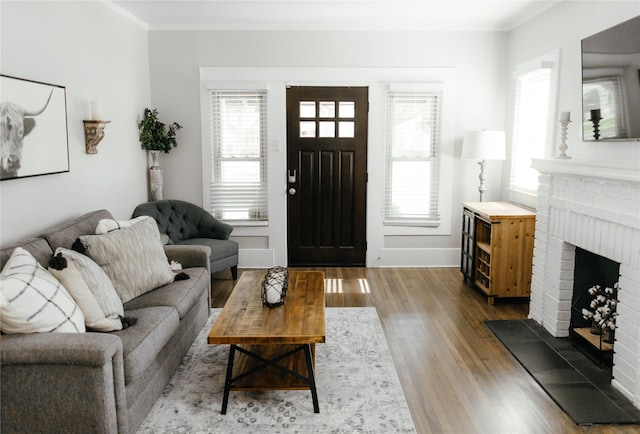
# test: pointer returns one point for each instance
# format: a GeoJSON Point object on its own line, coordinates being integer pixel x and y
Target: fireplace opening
{"type": "Point", "coordinates": [593, 305]}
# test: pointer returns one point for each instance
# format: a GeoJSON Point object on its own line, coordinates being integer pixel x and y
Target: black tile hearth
{"type": "Point", "coordinates": [578, 385]}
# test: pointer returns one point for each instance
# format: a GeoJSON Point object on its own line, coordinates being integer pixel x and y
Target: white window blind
{"type": "Point", "coordinates": [533, 126]}
{"type": "Point", "coordinates": [238, 189]}
{"type": "Point", "coordinates": [413, 130]}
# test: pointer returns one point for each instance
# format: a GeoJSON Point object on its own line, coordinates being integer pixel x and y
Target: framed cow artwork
{"type": "Point", "coordinates": [33, 128]}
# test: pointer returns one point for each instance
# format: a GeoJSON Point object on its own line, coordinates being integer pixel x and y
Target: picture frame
{"type": "Point", "coordinates": [33, 131]}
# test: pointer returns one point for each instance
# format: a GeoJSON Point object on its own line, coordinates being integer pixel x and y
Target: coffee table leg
{"type": "Point", "coordinates": [227, 382]}
{"type": "Point", "coordinates": [312, 378]}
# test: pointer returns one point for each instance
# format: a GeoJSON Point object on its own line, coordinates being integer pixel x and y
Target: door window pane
{"type": "Point", "coordinates": [307, 129]}
{"type": "Point", "coordinates": [327, 129]}
{"type": "Point", "coordinates": [327, 109]}
{"type": "Point", "coordinates": [346, 129]}
{"type": "Point", "coordinates": [347, 109]}
{"type": "Point", "coordinates": [307, 109]}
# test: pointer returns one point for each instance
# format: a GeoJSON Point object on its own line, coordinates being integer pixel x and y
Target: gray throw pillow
{"type": "Point", "coordinates": [132, 257]}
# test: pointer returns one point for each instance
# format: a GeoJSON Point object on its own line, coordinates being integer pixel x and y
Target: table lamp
{"type": "Point", "coordinates": [483, 145]}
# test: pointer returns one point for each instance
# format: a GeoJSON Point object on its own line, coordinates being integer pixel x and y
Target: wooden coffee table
{"type": "Point", "coordinates": [272, 347]}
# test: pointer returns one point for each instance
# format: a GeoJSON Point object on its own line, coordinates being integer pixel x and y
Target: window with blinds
{"type": "Point", "coordinates": [238, 186]}
{"type": "Point", "coordinates": [533, 127]}
{"type": "Point", "coordinates": [413, 128]}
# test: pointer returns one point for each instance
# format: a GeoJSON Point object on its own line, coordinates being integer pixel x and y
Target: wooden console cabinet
{"type": "Point", "coordinates": [497, 248]}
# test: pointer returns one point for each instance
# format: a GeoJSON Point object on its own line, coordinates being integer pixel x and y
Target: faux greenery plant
{"type": "Point", "coordinates": [155, 135]}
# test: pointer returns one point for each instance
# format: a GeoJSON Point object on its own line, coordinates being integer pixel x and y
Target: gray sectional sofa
{"type": "Point", "coordinates": [103, 382]}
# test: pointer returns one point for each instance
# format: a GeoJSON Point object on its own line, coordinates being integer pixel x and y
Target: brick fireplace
{"type": "Point", "coordinates": [594, 206]}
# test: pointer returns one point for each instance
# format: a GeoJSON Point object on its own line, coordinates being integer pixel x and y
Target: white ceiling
{"type": "Point", "coordinates": [360, 15]}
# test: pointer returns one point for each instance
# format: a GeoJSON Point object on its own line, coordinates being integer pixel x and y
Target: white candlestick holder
{"type": "Point", "coordinates": [563, 140]}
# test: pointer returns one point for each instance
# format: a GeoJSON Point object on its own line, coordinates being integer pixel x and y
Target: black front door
{"type": "Point", "coordinates": [327, 175]}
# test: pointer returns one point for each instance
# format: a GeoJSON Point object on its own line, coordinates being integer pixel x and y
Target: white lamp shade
{"type": "Point", "coordinates": [483, 145]}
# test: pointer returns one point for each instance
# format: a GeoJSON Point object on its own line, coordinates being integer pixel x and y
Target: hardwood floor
{"type": "Point", "coordinates": [457, 377]}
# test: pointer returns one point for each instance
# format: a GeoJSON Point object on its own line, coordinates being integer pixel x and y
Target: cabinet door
{"type": "Point", "coordinates": [512, 247]}
{"type": "Point", "coordinates": [467, 250]}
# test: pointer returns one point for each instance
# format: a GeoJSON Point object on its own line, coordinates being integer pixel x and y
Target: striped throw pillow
{"type": "Point", "coordinates": [32, 300]}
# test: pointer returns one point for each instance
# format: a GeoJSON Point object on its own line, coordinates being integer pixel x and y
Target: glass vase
{"type": "Point", "coordinates": [608, 335]}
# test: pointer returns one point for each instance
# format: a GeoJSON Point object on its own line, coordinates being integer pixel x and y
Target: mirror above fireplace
{"type": "Point", "coordinates": [611, 83]}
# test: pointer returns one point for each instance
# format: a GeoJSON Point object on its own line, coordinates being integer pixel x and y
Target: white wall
{"type": "Point", "coordinates": [563, 27]}
{"type": "Point", "coordinates": [479, 61]}
{"type": "Point", "coordinates": [97, 55]}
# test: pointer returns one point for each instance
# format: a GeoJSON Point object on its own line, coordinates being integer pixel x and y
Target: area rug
{"type": "Point", "coordinates": [578, 385]}
{"type": "Point", "coordinates": [358, 388]}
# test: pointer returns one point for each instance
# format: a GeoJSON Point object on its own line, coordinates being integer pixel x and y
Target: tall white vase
{"type": "Point", "coordinates": [155, 176]}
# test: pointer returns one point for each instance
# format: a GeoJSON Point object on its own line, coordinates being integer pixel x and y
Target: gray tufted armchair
{"type": "Point", "coordinates": [186, 223]}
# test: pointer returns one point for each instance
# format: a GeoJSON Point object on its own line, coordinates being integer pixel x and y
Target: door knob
{"type": "Point", "coordinates": [292, 191]}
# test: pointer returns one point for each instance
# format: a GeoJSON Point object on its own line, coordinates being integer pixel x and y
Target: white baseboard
{"type": "Point", "coordinates": [418, 258]}
{"type": "Point", "coordinates": [388, 258]}
{"type": "Point", "coordinates": [256, 258]}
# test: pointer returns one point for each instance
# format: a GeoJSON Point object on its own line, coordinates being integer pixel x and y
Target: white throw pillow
{"type": "Point", "coordinates": [91, 289]}
{"type": "Point", "coordinates": [108, 225]}
{"type": "Point", "coordinates": [32, 300]}
{"type": "Point", "coordinates": [132, 257]}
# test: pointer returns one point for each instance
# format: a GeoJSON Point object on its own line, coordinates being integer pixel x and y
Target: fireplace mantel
{"type": "Point", "coordinates": [616, 170]}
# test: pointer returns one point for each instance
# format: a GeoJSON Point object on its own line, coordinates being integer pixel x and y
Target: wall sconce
{"type": "Point", "coordinates": [94, 128]}
{"type": "Point", "coordinates": [93, 134]}
{"type": "Point", "coordinates": [483, 145]}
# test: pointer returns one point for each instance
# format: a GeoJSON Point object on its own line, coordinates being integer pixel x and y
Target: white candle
{"type": "Point", "coordinates": [565, 116]}
{"type": "Point", "coordinates": [274, 293]}
{"type": "Point", "coordinates": [96, 110]}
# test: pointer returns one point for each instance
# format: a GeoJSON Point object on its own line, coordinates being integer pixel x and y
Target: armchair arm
{"type": "Point", "coordinates": [62, 382]}
{"type": "Point", "coordinates": [210, 227]}
{"type": "Point", "coordinates": [189, 255]}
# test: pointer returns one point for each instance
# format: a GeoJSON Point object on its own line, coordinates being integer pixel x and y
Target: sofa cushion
{"type": "Point", "coordinates": [182, 294]}
{"type": "Point", "coordinates": [142, 342]}
{"type": "Point", "coordinates": [32, 300]}
{"type": "Point", "coordinates": [91, 289]}
{"type": "Point", "coordinates": [38, 247]}
{"type": "Point", "coordinates": [132, 257]}
{"type": "Point", "coordinates": [67, 233]}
